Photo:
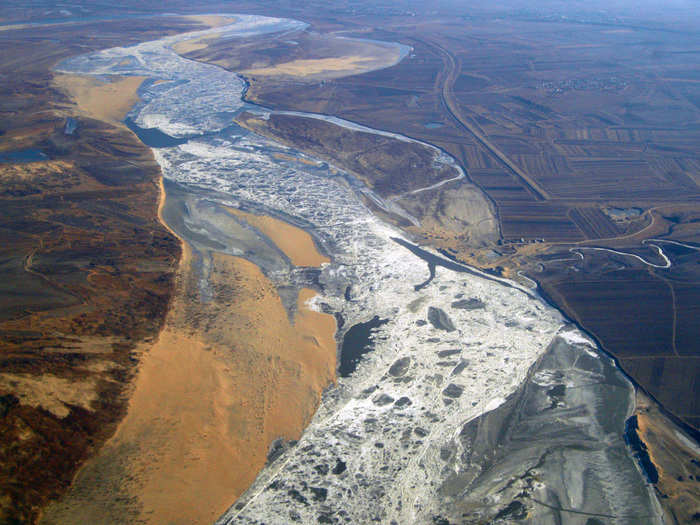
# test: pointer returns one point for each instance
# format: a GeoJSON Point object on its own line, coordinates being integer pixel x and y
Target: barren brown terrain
{"type": "Point", "coordinates": [389, 166]}
{"type": "Point", "coordinates": [87, 268]}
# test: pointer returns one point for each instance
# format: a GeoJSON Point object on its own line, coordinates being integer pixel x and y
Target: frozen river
{"type": "Point", "coordinates": [477, 398]}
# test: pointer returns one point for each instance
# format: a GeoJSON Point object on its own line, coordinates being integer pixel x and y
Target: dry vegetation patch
{"type": "Point", "coordinates": [51, 393]}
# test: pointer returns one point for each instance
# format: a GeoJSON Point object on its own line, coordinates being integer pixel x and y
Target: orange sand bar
{"type": "Point", "coordinates": [294, 242]}
{"type": "Point", "coordinates": [106, 101]}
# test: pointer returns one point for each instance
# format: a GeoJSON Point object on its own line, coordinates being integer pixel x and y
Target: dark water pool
{"type": "Point", "coordinates": [71, 126]}
{"type": "Point", "coordinates": [356, 343]}
{"type": "Point", "coordinates": [639, 450]}
{"type": "Point", "coordinates": [22, 155]}
{"type": "Point", "coordinates": [153, 137]}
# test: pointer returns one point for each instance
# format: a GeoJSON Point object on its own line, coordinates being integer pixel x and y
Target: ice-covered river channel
{"type": "Point", "coordinates": [478, 401]}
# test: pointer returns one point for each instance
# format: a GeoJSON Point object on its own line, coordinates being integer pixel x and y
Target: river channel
{"type": "Point", "coordinates": [500, 410]}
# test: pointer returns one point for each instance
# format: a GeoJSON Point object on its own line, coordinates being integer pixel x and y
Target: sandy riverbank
{"type": "Point", "coordinates": [675, 457]}
{"type": "Point", "coordinates": [223, 381]}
